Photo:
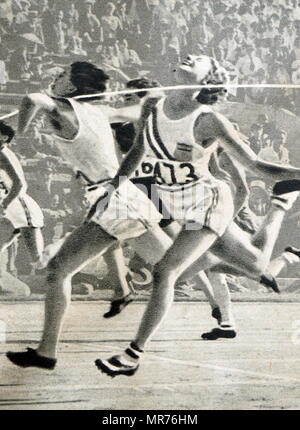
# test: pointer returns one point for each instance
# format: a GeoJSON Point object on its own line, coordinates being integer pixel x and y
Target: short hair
{"type": "Point", "coordinates": [142, 83]}
{"type": "Point", "coordinates": [7, 130]}
{"type": "Point", "coordinates": [87, 78]}
{"type": "Point", "coordinates": [216, 76]}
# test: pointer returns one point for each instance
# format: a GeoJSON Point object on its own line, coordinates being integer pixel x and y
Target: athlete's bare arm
{"type": "Point", "coordinates": [212, 126]}
{"type": "Point", "coordinates": [18, 183]}
{"type": "Point", "coordinates": [126, 113]}
{"type": "Point", "coordinates": [131, 113]}
{"type": "Point", "coordinates": [131, 161]}
{"type": "Point", "coordinates": [59, 112]}
{"type": "Point", "coordinates": [135, 155]}
{"type": "Point", "coordinates": [238, 177]}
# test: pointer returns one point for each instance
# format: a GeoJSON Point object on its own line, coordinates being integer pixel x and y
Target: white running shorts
{"type": "Point", "coordinates": [128, 213]}
{"type": "Point", "coordinates": [204, 203]}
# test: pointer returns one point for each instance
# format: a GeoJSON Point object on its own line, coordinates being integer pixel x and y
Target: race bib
{"type": "Point", "coordinates": [168, 172]}
{"type": "Point", "coordinates": [146, 169]}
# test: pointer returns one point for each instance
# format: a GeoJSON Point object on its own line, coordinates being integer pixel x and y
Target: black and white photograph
{"type": "Point", "coordinates": [149, 210]}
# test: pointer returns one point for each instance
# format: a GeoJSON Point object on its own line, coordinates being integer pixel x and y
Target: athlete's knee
{"type": "Point", "coordinates": [164, 275]}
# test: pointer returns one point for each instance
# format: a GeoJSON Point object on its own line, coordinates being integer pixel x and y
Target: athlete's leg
{"type": "Point", "coordinates": [237, 253]}
{"type": "Point", "coordinates": [152, 245]}
{"type": "Point", "coordinates": [184, 251]}
{"type": "Point", "coordinates": [84, 244]}
{"type": "Point", "coordinates": [118, 270]}
{"type": "Point", "coordinates": [222, 296]}
{"type": "Point", "coordinates": [281, 262]}
{"type": "Point", "coordinates": [34, 242]}
{"type": "Point", "coordinates": [201, 282]}
{"type": "Point", "coordinates": [226, 327]}
{"type": "Point", "coordinates": [249, 256]}
{"type": "Point", "coordinates": [81, 246]}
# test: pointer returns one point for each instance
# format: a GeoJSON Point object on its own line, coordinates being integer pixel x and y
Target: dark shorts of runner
{"type": "Point", "coordinates": [147, 185]}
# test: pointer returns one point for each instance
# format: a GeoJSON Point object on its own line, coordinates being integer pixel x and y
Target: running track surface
{"type": "Point", "coordinates": [260, 369]}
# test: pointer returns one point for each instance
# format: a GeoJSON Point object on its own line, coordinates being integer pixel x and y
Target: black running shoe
{"type": "Point", "coordinates": [293, 250]}
{"type": "Point", "coordinates": [284, 187]}
{"type": "Point", "coordinates": [269, 282]}
{"type": "Point", "coordinates": [219, 333]}
{"type": "Point", "coordinates": [216, 313]}
{"type": "Point", "coordinates": [114, 367]}
{"type": "Point", "coordinates": [117, 306]}
{"type": "Point", "coordinates": [31, 358]}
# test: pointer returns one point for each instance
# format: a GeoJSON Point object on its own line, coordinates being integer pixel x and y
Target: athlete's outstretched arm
{"type": "Point", "coordinates": [238, 177]}
{"type": "Point", "coordinates": [131, 161]}
{"type": "Point", "coordinates": [18, 183]}
{"type": "Point", "coordinates": [130, 113]}
{"type": "Point", "coordinates": [126, 113]}
{"type": "Point", "coordinates": [30, 106]}
{"type": "Point", "coordinates": [135, 155]}
{"type": "Point", "coordinates": [223, 167]}
{"type": "Point", "coordinates": [232, 142]}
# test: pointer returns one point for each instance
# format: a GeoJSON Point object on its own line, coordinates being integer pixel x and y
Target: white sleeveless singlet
{"type": "Point", "coordinates": [170, 144]}
{"type": "Point", "coordinates": [93, 151]}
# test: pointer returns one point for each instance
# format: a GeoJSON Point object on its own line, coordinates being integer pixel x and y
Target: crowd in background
{"type": "Point", "coordinates": [257, 42]}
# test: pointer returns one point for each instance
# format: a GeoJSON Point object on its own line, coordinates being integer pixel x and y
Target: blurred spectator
{"type": "Point", "coordinates": [248, 63]}
{"type": "Point", "coordinates": [110, 23]}
{"type": "Point", "coordinates": [18, 64]}
{"type": "Point", "coordinates": [180, 24]}
{"type": "Point", "coordinates": [125, 20]}
{"type": "Point", "coordinates": [255, 137]}
{"type": "Point", "coordinates": [89, 24]}
{"type": "Point", "coordinates": [269, 153]}
{"type": "Point", "coordinates": [36, 28]}
{"type": "Point", "coordinates": [22, 18]}
{"type": "Point", "coordinates": [109, 55]}
{"type": "Point", "coordinates": [288, 32]}
{"type": "Point", "coordinates": [275, 149]}
{"type": "Point", "coordinates": [279, 143]}
{"type": "Point", "coordinates": [73, 14]}
{"type": "Point", "coordinates": [129, 60]}
{"type": "Point", "coordinates": [59, 36]}
{"type": "Point", "coordinates": [48, 24]}
{"type": "Point", "coordinates": [198, 32]}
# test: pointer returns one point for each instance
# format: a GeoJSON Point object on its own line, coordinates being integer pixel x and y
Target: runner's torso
{"type": "Point", "coordinates": [172, 151]}
{"type": "Point", "coordinates": [92, 152]}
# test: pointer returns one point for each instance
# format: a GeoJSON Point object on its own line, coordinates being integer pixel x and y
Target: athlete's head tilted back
{"type": "Point", "coordinates": [203, 70]}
